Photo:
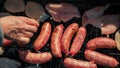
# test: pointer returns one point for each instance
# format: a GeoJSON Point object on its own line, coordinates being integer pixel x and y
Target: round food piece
{"type": "Point", "coordinates": [1, 50]}
{"type": "Point", "coordinates": [34, 10]}
{"type": "Point", "coordinates": [117, 39]}
{"type": "Point", "coordinates": [14, 6]}
{"type": "Point", "coordinates": [3, 14]}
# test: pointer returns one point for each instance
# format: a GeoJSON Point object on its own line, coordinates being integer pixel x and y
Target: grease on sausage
{"type": "Point", "coordinates": [73, 63]}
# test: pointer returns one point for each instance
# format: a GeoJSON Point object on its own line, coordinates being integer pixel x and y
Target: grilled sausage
{"type": "Point", "coordinates": [56, 41]}
{"type": "Point", "coordinates": [35, 58]}
{"type": "Point", "coordinates": [67, 36]}
{"type": "Point", "coordinates": [78, 41]}
{"type": "Point", "coordinates": [100, 59]}
{"type": "Point", "coordinates": [73, 63]}
{"type": "Point", "coordinates": [43, 36]}
{"type": "Point", "coordinates": [6, 42]}
{"type": "Point", "coordinates": [101, 42]}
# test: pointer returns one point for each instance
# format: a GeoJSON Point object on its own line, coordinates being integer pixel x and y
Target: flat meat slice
{"type": "Point", "coordinates": [108, 23]}
{"type": "Point", "coordinates": [62, 11]}
{"type": "Point", "coordinates": [92, 14]}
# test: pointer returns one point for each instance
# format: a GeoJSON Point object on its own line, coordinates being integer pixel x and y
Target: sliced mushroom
{"type": "Point", "coordinates": [2, 14]}
{"type": "Point", "coordinates": [117, 39]}
{"type": "Point", "coordinates": [14, 6]}
{"type": "Point", "coordinates": [34, 10]}
{"type": "Point", "coordinates": [62, 11]}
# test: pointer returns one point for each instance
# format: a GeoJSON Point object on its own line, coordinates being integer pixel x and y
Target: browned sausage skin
{"type": "Point", "coordinates": [67, 36]}
{"type": "Point", "coordinates": [101, 59]}
{"type": "Point", "coordinates": [101, 42]}
{"type": "Point", "coordinates": [73, 63]}
{"type": "Point", "coordinates": [56, 41]}
{"type": "Point", "coordinates": [43, 36]}
{"type": "Point", "coordinates": [35, 58]}
{"type": "Point", "coordinates": [78, 41]}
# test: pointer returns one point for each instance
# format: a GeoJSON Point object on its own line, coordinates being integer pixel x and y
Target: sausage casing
{"type": "Point", "coordinates": [35, 58]}
{"type": "Point", "coordinates": [101, 42]}
{"type": "Point", "coordinates": [101, 59]}
{"type": "Point", "coordinates": [78, 41]}
{"type": "Point", "coordinates": [67, 36]}
{"type": "Point", "coordinates": [43, 36]}
{"type": "Point", "coordinates": [73, 63]}
{"type": "Point", "coordinates": [56, 41]}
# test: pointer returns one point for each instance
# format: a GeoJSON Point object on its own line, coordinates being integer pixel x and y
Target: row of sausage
{"type": "Point", "coordinates": [60, 43]}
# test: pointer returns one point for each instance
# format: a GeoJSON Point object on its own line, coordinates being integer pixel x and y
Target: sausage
{"type": "Point", "coordinates": [56, 41]}
{"type": "Point", "coordinates": [35, 58]}
{"type": "Point", "coordinates": [6, 42]}
{"type": "Point", "coordinates": [43, 36]}
{"type": "Point", "coordinates": [101, 59]}
{"type": "Point", "coordinates": [67, 36]}
{"type": "Point", "coordinates": [101, 42]}
{"type": "Point", "coordinates": [78, 41]}
{"type": "Point", "coordinates": [73, 63]}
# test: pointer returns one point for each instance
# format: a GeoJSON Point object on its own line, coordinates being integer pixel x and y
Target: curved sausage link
{"type": "Point", "coordinates": [101, 42]}
{"type": "Point", "coordinates": [78, 41]}
{"type": "Point", "coordinates": [67, 36]}
{"type": "Point", "coordinates": [73, 63]}
{"type": "Point", "coordinates": [35, 58]}
{"type": "Point", "coordinates": [100, 59]}
{"type": "Point", "coordinates": [43, 36]}
{"type": "Point", "coordinates": [56, 41]}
